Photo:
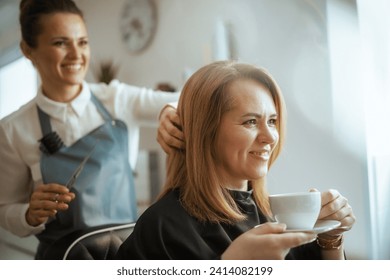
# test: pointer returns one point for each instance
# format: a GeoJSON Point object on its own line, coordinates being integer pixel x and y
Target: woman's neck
{"type": "Point", "coordinates": [242, 187]}
{"type": "Point", "coordinates": [62, 94]}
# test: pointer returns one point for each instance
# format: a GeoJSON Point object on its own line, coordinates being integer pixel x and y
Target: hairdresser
{"type": "Point", "coordinates": [43, 143]}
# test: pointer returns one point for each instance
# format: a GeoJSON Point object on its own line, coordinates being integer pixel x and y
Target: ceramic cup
{"type": "Point", "coordinates": [296, 210]}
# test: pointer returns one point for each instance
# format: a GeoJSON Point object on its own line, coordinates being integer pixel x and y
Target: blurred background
{"type": "Point", "coordinates": [330, 57]}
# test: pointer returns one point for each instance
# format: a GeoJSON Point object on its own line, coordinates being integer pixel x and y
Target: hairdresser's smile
{"type": "Point", "coordinates": [72, 67]}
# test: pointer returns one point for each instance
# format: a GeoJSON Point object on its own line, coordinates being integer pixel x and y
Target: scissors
{"type": "Point", "coordinates": [80, 168]}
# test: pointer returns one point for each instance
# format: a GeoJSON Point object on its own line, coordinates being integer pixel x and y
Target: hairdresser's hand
{"type": "Point", "coordinates": [266, 242]}
{"type": "Point", "coordinates": [45, 201]}
{"type": "Point", "coordinates": [335, 207]}
{"type": "Point", "coordinates": [170, 135]}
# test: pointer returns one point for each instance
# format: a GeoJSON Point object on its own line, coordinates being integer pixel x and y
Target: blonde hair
{"type": "Point", "coordinates": [202, 104]}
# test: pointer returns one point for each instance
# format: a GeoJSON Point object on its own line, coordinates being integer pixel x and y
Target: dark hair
{"type": "Point", "coordinates": [31, 12]}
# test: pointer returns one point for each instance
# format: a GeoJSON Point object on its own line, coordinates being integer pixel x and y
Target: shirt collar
{"type": "Point", "coordinates": [241, 195]}
{"type": "Point", "coordinates": [59, 110]}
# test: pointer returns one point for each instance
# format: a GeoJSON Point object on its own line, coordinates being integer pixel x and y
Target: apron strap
{"type": "Point", "coordinates": [51, 141]}
{"type": "Point", "coordinates": [102, 110]}
{"type": "Point", "coordinates": [44, 119]}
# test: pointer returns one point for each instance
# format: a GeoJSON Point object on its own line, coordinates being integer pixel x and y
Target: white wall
{"type": "Point", "coordinates": [291, 39]}
{"type": "Point", "coordinates": [9, 31]}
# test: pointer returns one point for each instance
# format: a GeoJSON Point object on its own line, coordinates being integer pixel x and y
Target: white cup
{"type": "Point", "coordinates": [296, 210]}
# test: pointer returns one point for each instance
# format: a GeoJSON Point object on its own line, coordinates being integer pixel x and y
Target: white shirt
{"type": "Point", "coordinates": [19, 134]}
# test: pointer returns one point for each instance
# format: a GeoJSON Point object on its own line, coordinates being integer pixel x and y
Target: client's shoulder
{"type": "Point", "coordinates": [167, 210]}
{"type": "Point", "coordinates": [168, 203]}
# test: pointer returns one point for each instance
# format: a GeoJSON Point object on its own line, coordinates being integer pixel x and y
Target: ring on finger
{"type": "Point", "coordinates": [56, 197]}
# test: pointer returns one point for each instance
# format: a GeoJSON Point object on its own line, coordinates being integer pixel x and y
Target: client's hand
{"type": "Point", "coordinates": [336, 207]}
{"type": "Point", "coordinates": [266, 242]}
{"type": "Point", "coordinates": [169, 134]}
{"type": "Point", "coordinates": [45, 201]}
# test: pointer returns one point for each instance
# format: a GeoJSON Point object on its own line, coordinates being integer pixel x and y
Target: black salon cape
{"type": "Point", "coordinates": [166, 231]}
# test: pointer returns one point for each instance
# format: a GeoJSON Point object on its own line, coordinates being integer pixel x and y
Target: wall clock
{"type": "Point", "coordinates": [138, 24]}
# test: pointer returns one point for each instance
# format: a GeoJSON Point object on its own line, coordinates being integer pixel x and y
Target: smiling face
{"type": "Point", "coordinates": [62, 55]}
{"type": "Point", "coordinates": [247, 134]}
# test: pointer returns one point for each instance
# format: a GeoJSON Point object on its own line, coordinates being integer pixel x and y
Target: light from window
{"type": "Point", "coordinates": [18, 85]}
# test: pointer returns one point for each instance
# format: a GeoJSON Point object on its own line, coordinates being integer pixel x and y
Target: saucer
{"type": "Point", "coordinates": [321, 226]}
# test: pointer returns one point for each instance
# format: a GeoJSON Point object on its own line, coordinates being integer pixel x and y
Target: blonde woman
{"type": "Point", "coordinates": [214, 204]}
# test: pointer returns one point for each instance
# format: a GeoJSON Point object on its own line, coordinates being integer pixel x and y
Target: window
{"type": "Point", "coordinates": [375, 37]}
{"type": "Point", "coordinates": [18, 85]}
{"type": "Point", "coordinates": [360, 66]}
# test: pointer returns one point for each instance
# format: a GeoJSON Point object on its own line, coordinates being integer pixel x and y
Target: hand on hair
{"type": "Point", "coordinates": [170, 135]}
{"type": "Point", "coordinates": [266, 242]}
{"type": "Point", "coordinates": [45, 201]}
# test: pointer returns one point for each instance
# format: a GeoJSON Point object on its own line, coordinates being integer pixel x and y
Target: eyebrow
{"type": "Point", "coordinates": [256, 115]}
{"type": "Point", "coordinates": [67, 38]}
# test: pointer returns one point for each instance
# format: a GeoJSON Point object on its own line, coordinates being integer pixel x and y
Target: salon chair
{"type": "Point", "coordinates": [96, 243]}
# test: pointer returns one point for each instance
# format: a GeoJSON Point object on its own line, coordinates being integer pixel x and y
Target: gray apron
{"type": "Point", "coordinates": [104, 190]}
